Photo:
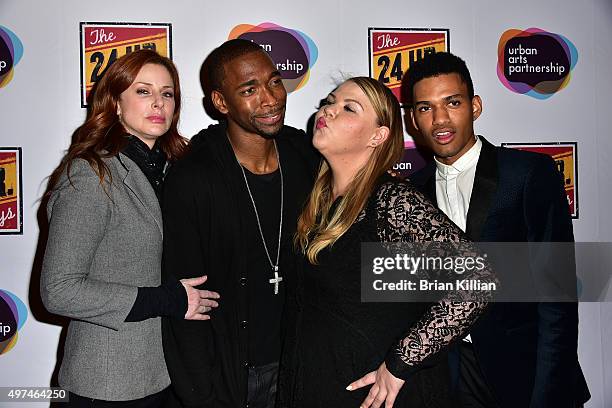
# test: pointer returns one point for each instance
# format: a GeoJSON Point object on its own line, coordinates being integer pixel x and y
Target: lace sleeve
{"type": "Point", "coordinates": [406, 215]}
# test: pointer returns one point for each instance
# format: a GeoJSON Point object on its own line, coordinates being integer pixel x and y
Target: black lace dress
{"type": "Point", "coordinates": [334, 339]}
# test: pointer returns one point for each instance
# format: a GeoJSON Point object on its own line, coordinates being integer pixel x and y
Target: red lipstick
{"type": "Point", "coordinates": [321, 123]}
{"type": "Point", "coordinates": [157, 119]}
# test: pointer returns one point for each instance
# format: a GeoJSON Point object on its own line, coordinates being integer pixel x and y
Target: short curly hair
{"type": "Point", "coordinates": [436, 64]}
{"type": "Point", "coordinates": [212, 73]}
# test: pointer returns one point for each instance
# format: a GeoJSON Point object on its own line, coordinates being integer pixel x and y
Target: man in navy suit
{"type": "Point", "coordinates": [518, 354]}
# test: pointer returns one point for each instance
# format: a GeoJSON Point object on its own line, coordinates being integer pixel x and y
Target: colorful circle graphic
{"type": "Point", "coordinates": [13, 314]}
{"type": "Point", "coordinates": [293, 52]}
{"type": "Point", "coordinates": [11, 51]}
{"type": "Point", "coordinates": [535, 62]}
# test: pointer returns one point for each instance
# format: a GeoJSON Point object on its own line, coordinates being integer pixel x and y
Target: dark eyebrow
{"type": "Point", "coordinates": [248, 83]}
{"type": "Point", "coordinates": [446, 98]}
{"type": "Point", "coordinates": [254, 81]}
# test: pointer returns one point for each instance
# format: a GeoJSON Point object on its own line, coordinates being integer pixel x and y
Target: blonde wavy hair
{"type": "Point", "coordinates": [317, 229]}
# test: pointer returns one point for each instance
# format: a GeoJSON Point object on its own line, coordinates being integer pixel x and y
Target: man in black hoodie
{"type": "Point", "coordinates": [230, 210]}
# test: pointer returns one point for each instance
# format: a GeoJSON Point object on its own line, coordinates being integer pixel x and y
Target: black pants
{"type": "Point", "coordinates": [472, 388]}
{"type": "Point", "coordinates": [150, 401]}
{"type": "Point", "coordinates": [262, 386]}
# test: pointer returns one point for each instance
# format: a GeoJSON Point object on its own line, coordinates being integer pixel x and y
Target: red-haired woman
{"type": "Point", "coordinates": [102, 266]}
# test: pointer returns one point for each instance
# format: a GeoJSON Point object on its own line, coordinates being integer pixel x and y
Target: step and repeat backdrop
{"type": "Point", "coordinates": [542, 68]}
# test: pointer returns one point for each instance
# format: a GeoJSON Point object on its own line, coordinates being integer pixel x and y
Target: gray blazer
{"type": "Point", "coordinates": [102, 246]}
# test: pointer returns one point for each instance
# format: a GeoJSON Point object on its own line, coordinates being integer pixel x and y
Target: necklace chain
{"type": "Point", "coordinates": [274, 266]}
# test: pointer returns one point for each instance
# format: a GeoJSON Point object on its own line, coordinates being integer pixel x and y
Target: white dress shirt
{"type": "Point", "coordinates": [454, 184]}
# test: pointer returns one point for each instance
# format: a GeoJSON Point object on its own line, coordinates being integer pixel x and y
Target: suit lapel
{"type": "Point", "coordinates": [137, 183]}
{"type": "Point", "coordinates": [430, 188]}
{"type": "Point", "coordinates": [485, 185]}
{"type": "Point", "coordinates": [429, 182]}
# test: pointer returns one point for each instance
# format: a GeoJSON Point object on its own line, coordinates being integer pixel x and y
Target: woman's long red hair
{"type": "Point", "coordinates": [102, 136]}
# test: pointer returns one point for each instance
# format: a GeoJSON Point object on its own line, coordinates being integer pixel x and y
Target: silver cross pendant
{"type": "Point", "coordinates": [276, 280]}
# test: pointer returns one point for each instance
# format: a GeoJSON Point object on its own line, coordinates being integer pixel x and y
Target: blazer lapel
{"type": "Point", "coordinates": [137, 183]}
{"type": "Point", "coordinates": [430, 187]}
{"type": "Point", "coordinates": [485, 185]}
{"type": "Point", "coordinates": [427, 181]}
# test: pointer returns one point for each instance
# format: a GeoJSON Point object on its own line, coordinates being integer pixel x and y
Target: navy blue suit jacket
{"type": "Point", "coordinates": [527, 351]}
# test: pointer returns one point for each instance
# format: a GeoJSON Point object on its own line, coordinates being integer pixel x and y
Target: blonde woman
{"type": "Point", "coordinates": [336, 339]}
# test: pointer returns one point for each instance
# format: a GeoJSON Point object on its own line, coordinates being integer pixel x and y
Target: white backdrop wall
{"type": "Point", "coordinates": [40, 108]}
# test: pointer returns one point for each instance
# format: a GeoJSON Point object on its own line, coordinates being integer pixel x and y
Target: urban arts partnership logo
{"type": "Point", "coordinates": [412, 160]}
{"type": "Point", "coordinates": [11, 51]}
{"type": "Point", "coordinates": [535, 62]}
{"type": "Point", "coordinates": [293, 52]}
{"type": "Point", "coordinates": [13, 314]}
